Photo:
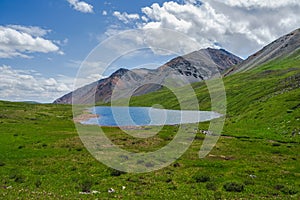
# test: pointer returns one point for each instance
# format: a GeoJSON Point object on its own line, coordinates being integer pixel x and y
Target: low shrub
{"type": "Point", "coordinates": [201, 178]}
{"type": "Point", "coordinates": [85, 185]}
{"type": "Point", "coordinates": [278, 187]}
{"type": "Point", "coordinates": [249, 182]}
{"type": "Point", "coordinates": [176, 165]}
{"type": "Point", "coordinates": [38, 183]}
{"type": "Point", "coordinates": [19, 179]}
{"type": "Point", "coordinates": [289, 190]}
{"type": "Point", "coordinates": [218, 195]}
{"type": "Point", "coordinates": [2, 164]}
{"type": "Point", "coordinates": [115, 172]}
{"type": "Point", "coordinates": [211, 186]}
{"type": "Point", "coordinates": [276, 144]}
{"type": "Point", "coordinates": [149, 164]}
{"type": "Point", "coordinates": [44, 145]}
{"type": "Point", "coordinates": [233, 187]}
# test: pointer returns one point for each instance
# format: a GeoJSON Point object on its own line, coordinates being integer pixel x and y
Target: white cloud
{"type": "Point", "coordinates": [112, 30]}
{"type": "Point", "coordinates": [125, 17]}
{"type": "Point", "coordinates": [61, 43]}
{"type": "Point", "coordinates": [261, 3]}
{"type": "Point", "coordinates": [61, 53]}
{"type": "Point", "coordinates": [194, 2]}
{"type": "Point", "coordinates": [19, 41]}
{"type": "Point", "coordinates": [201, 23]}
{"type": "Point", "coordinates": [16, 85]}
{"type": "Point", "coordinates": [88, 71]}
{"type": "Point", "coordinates": [81, 6]}
{"type": "Point", "coordinates": [239, 26]}
{"type": "Point", "coordinates": [31, 30]}
{"type": "Point", "coordinates": [144, 18]}
{"type": "Point", "coordinates": [104, 12]}
{"type": "Point", "coordinates": [95, 77]}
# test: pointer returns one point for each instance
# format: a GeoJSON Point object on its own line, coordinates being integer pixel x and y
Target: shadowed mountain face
{"type": "Point", "coordinates": [280, 48]}
{"type": "Point", "coordinates": [202, 64]}
{"type": "Point", "coordinates": [194, 67]}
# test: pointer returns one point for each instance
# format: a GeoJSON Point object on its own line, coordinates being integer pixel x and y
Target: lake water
{"type": "Point", "coordinates": [146, 116]}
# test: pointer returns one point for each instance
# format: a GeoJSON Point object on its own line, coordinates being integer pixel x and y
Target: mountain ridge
{"type": "Point", "coordinates": [282, 47]}
{"type": "Point", "coordinates": [193, 67]}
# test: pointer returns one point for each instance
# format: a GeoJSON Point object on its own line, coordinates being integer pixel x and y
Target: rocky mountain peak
{"type": "Point", "coordinates": [202, 64]}
{"type": "Point", "coordinates": [120, 72]}
{"type": "Point", "coordinates": [193, 67]}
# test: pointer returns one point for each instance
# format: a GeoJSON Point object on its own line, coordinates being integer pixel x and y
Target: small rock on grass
{"type": "Point", "coordinates": [111, 190]}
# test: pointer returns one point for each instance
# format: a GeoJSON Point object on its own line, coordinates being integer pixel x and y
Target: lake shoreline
{"type": "Point", "coordinates": [91, 117]}
{"type": "Point", "coordinates": [86, 115]}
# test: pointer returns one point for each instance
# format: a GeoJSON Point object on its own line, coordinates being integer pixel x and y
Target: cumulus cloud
{"type": "Point", "coordinates": [81, 6]}
{"type": "Point", "coordinates": [239, 26]}
{"type": "Point", "coordinates": [19, 41]}
{"type": "Point", "coordinates": [16, 85]}
{"type": "Point", "coordinates": [31, 30]}
{"type": "Point", "coordinates": [104, 12]}
{"type": "Point", "coordinates": [144, 18]}
{"type": "Point", "coordinates": [261, 3]}
{"type": "Point", "coordinates": [125, 17]}
{"type": "Point", "coordinates": [195, 2]}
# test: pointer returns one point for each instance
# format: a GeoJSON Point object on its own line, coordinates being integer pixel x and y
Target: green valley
{"type": "Point", "coordinates": [256, 157]}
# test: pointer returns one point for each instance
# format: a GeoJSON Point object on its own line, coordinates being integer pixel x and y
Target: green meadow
{"type": "Point", "coordinates": [256, 157]}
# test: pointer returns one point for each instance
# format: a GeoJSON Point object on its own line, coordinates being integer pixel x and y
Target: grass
{"type": "Point", "coordinates": [256, 157]}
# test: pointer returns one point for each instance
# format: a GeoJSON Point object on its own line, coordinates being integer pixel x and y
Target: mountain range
{"type": "Point", "coordinates": [193, 67]}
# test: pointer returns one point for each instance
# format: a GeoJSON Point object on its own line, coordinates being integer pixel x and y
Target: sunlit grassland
{"type": "Point", "coordinates": [257, 155]}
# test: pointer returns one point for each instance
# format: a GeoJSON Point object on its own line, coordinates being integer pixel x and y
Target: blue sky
{"type": "Point", "coordinates": [42, 43]}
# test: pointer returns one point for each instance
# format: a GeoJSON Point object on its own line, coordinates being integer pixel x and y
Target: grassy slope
{"type": "Point", "coordinates": [260, 103]}
{"type": "Point", "coordinates": [42, 156]}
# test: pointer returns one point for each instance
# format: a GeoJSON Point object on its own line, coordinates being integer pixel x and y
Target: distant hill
{"type": "Point", "coordinates": [30, 102]}
{"type": "Point", "coordinates": [283, 47]}
{"type": "Point", "coordinates": [194, 67]}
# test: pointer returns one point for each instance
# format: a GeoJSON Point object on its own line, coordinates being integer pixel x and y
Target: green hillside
{"type": "Point", "coordinates": [262, 103]}
{"type": "Point", "coordinates": [256, 157]}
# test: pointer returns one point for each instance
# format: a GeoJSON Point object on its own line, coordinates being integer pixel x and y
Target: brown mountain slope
{"type": "Point", "coordinates": [194, 67]}
{"type": "Point", "coordinates": [280, 48]}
